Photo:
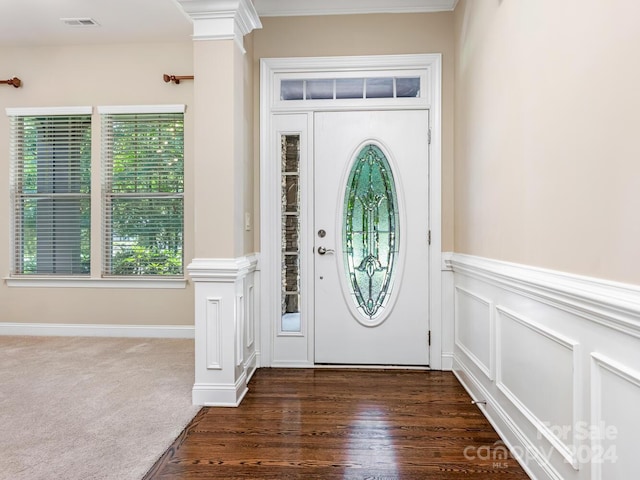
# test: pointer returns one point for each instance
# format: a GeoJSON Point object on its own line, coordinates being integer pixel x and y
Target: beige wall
{"type": "Point", "coordinates": [214, 145]}
{"type": "Point", "coordinates": [223, 148]}
{"type": "Point", "coordinates": [92, 76]}
{"type": "Point", "coordinates": [547, 101]}
{"type": "Point", "coordinates": [340, 35]}
{"type": "Point", "coordinates": [251, 196]}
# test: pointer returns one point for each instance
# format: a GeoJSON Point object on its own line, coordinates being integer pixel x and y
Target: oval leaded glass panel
{"type": "Point", "coordinates": [370, 231]}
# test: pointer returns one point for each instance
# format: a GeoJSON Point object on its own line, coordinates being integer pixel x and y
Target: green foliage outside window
{"type": "Point", "coordinates": [144, 200]}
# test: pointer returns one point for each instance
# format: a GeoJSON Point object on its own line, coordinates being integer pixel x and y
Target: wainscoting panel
{"type": "Point", "coordinates": [224, 315]}
{"type": "Point", "coordinates": [565, 388]}
{"type": "Point", "coordinates": [474, 329]}
{"type": "Point", "coordinates": [615, 415]}
{"type": "Point", "coordinates": [532, 359]}
{"type": "Point", "coordinates": [213, 327]}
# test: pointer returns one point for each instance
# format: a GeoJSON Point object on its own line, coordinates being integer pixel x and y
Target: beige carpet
{"type": "Point", "coordinates": [91, 408]}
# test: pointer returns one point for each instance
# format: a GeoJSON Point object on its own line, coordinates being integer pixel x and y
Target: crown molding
{"type": "Point", "coordinates": [221, 19]}
{"type": "Point", "coordinates": [284, 8]}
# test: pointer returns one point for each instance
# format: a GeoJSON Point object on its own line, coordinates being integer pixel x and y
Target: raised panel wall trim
{"type": "Point", "coordinates": [250, 324]}
{"type": "Point", "coordinates": [488, 370]}
{"type": "Point", "coordinates": [97, 330]}
{"type": "Point", "coordinates": [214, 333]}
{"type": "Point", "coordinates": [542, 427]}
{"type": "Point", "coordinates": [601, 363]}
{"type": "Point", "coordinates": [617, 368]}
{"type": "Point", "coordinates": [560, 339]}
{"type": "Point", "coordinates": [239, 330]}
{"type": "Point", "coordinates": [534, 462]}
{"type": "Point", "coordinates": [615, 305]}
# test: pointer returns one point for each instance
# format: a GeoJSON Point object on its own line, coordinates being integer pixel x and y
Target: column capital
{"type": "Point", "coordinates": [221, 19]}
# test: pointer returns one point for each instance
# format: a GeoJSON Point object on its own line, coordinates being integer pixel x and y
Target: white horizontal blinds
{"type": "Point", "coordinates": [50, 192]}
{"type": "Point", "coordinates": [143, 193]}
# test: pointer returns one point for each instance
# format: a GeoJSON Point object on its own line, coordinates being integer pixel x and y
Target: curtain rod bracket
{"type": "Point", "coordinates": [15, 81]}
{"type": "Point", "coordinates": [176, 78]}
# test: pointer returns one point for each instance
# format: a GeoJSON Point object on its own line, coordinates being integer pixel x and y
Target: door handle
{"type": "Point", "coordinates": [324, 251]}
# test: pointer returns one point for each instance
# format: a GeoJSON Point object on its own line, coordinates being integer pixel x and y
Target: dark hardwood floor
{"type": "Point", "coordinates": [335, 424]}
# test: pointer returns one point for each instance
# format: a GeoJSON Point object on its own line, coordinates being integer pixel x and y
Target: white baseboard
{"type": "Point", "coordinates": [447, 361]}
{"type": "Point", "coordinates": [220, 394]}
{"type": "Point", "coordinates": [94, 330]}
{"type": "Point", "coordinates": [510, 434]}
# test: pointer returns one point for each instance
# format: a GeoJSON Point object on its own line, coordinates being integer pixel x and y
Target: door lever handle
{"type": "Point", "coordinates": [324, 251]}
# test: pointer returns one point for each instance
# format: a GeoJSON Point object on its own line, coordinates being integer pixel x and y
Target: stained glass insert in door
{"type": "Point", "coordinates": [370, 231]}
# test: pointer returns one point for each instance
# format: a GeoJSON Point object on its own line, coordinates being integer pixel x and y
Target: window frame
{"type": "Point", "coordinates": [106, 181]}
{"type": "Point", "coordinates": [51, 175]}
{"type": "Point", "coordinates": [95, 279]}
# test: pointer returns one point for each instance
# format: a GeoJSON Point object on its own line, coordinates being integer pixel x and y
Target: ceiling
{"type": "Point", "coordinates": [38, 22]}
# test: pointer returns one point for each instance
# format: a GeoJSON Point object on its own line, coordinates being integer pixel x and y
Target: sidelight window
{"type": "Point", "coordinates": [290, 210]}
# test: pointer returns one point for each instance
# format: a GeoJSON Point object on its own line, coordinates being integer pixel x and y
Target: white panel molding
{"type": "Point", "coordinates": [617, 368]}
{"type": "Point", "coordinates": [612, 304]}
{"type": "Point", "coordinates": [600, 364]}
{"type": "Point", "coordinates": [97, 330]}
{"type": "Point", "coordinates": [239, 327]}
{"type": "Point", "coordinates": [284, 8]}
{"type": "Point", "coordinates": [250, 324]}
{"type": "Point", "coordinates": [544, 429]}
{"type": "Point", "coordinates": [522, 448]}
{"type": "Point", "coordinates": [214, 334]}
{"type": "Point", "coordinates": [575, 315]}
{"type": "Point", "coordinates": [448, 319]}
{"type": "Point", "coordinates": [488, 370]}
{"type": "Point", "coordinates": [220, 311]}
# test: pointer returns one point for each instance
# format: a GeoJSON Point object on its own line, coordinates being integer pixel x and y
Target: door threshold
{"type": "Point", "coordinates": [372, 367]}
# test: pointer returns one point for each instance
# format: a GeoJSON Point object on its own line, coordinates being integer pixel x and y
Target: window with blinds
{"type": "Point", "coordinates": [50, 186]}
{"type": "Point", "coordinates": [143, 191]}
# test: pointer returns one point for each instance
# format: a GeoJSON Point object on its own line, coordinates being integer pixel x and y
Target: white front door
{"type": "Point", "coordinates": [371, 225]}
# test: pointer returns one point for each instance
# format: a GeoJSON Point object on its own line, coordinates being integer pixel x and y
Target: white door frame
{"type": "Point", "coordinates": [430, 68]}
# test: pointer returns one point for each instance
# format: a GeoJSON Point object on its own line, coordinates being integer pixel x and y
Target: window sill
{"type": "Point", "coordinates": [75, 282]}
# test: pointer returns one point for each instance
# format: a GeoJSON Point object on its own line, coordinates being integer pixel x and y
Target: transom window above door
{"type": "Point", "coordinates": [349, 88]}
{"type": "Point", "coordinates": [404, 83]}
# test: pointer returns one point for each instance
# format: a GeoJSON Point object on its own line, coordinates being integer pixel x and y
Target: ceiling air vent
{"type": "Point", "coordinates": [79, 22]}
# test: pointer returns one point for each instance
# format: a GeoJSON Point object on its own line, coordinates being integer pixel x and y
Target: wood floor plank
{"type": "Point", "coordinates": [341, 424]}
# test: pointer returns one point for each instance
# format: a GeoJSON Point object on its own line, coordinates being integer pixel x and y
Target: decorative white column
{"type": "Point", "coordinates": [222, 19]}
{"type": "Point", "coordinates": [223, 276]}
{"type": "Point", "coordinates": [222, 295]}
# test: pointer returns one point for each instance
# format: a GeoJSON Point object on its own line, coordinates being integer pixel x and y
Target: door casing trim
{"type": "Point", "coordinates": [270, 68]}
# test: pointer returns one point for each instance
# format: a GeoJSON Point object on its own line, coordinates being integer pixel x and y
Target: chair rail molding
{"type": "Point", "coordinates": [540, 330]}
{"type": "Point", "coordinates": [224, 307]}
